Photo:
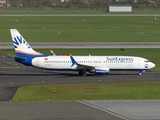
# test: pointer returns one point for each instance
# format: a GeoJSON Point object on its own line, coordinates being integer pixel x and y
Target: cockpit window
{"type": "Point", "coordinates": [146, 61]}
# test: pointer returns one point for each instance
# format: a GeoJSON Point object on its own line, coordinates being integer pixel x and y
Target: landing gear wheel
{"type": "Point", "coordinates": [140, 73]}
{"type": "Point", "coordinates": [82, 73]}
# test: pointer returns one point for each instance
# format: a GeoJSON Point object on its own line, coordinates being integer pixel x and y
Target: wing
{"type": "Point", "coordinates": [78, 66]}
{"type": "Point", "coordinates": [96, 70]}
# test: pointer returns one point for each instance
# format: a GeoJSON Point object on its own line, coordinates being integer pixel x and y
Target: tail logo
{"type": "Point", "coordinates": [20, 41]}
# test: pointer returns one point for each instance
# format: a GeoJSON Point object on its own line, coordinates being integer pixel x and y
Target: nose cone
{"type": "Point", "coordinates": [151, 65]}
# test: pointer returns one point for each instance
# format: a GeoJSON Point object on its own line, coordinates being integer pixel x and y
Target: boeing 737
{"type": "Point", "coordinates": [92, 64]}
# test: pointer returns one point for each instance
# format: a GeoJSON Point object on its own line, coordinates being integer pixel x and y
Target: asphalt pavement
{"type": "Point", "coordinates": [36, 45]}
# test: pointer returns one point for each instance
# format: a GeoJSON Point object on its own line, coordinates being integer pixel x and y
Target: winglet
{"type": "Point", "coordinates": [73, 60]}
{"type": "Point", "coordinates": [53, 54]}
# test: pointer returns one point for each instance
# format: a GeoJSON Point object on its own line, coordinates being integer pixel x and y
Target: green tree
{"type": "Point", "coordinates": [141, 1]}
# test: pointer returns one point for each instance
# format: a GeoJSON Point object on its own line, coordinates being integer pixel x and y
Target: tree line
{"type": "Point", "coordinates": [82, 3]}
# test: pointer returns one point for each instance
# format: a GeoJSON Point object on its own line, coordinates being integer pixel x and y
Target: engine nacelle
{"type": "Point", "coordinates": [102, 70]}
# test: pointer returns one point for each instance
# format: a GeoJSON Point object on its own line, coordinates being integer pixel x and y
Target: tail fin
{"type": "Point", "coordinates": [20, 44]}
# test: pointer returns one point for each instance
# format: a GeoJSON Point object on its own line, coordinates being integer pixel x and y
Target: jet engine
{"type": "Point", "coordinates": [100, 70]}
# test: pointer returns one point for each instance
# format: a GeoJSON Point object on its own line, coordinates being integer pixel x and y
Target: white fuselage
{"type": "Point", "coordinates": [112, 62]}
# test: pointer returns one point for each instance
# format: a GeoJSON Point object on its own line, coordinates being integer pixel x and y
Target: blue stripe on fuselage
{"type": "Point", "coordinates": [138, 69]}
{"type": "Point", "coordinates": [29, 57]}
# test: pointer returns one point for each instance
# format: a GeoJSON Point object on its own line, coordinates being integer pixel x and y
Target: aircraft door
{"type": "Point", "coordinates": [37, 62]}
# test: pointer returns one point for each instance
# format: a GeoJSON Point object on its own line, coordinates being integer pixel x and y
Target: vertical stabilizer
{"type": "Point", "coordinates": [20, 44]}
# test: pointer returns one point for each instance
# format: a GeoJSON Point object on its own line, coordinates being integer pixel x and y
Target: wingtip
{"type": "Point", "coordinates": [70, 55]}
{"type": "Point", "coordinates": [51, 51]}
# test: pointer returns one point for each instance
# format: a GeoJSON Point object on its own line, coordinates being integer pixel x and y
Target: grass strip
{"type": "Point", "coordinates": [82, 29]}
{"type": "Point", "coordinates": [90, 91]}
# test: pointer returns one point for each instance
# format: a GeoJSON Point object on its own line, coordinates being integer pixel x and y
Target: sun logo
{"type": "Point", "coordinates": [146, 66]}
{"type": "Point", "coordinates": [20, 42]}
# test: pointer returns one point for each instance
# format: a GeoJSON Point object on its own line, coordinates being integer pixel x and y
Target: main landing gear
{"type": "Point", "coordinates": [82, 73]}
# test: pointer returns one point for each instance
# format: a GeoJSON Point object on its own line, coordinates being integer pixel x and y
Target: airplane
{"type": "Point", "coordinates": [92, 64]}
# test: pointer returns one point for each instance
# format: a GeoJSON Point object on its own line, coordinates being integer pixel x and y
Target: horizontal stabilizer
{"type": "Point", "coordinates": [20, 58]}
{"type": "Point", "coordinates": [11, 56]}
{"type": "Point", "coordinates": [16, 58]}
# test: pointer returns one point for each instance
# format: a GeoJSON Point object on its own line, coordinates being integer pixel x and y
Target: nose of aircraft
{"type": "Point", "coordinates": [152, 65]}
